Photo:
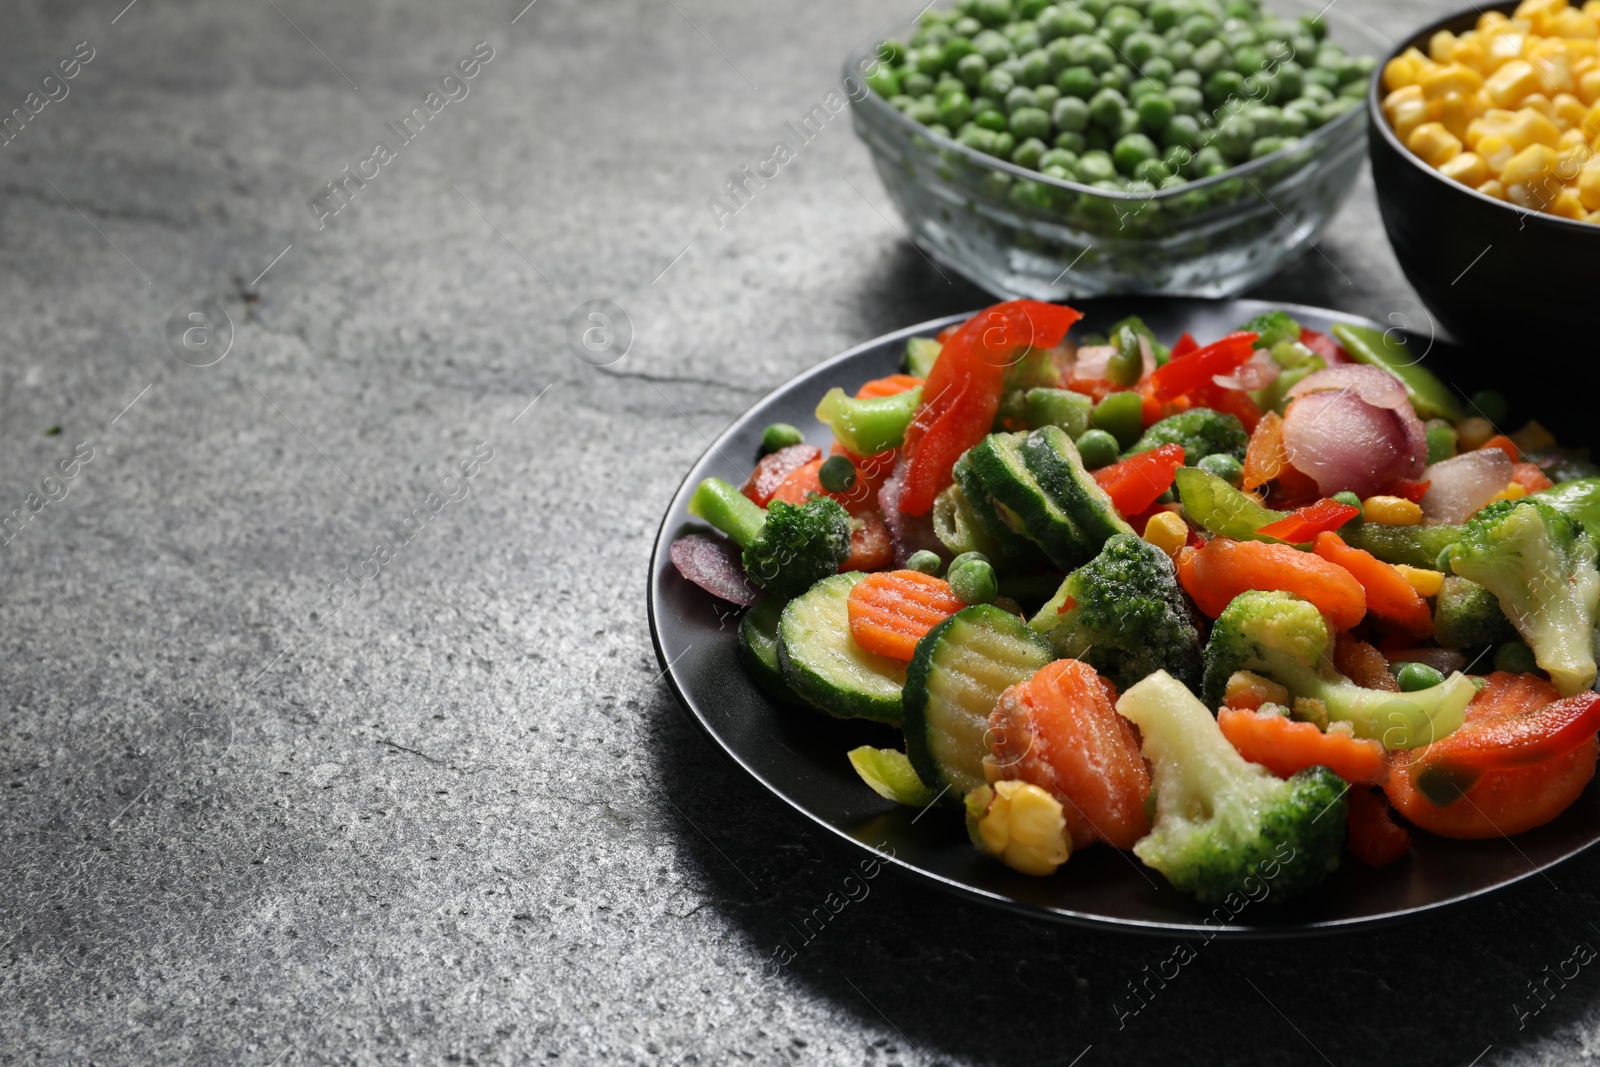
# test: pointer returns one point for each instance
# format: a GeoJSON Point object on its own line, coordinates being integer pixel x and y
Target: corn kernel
{"type": "Point", "coordinates": [1533, 9]}
{"type": "Point", "coordinates": [1496, 151]}
{"type": "Point", "coordinates": [1589, 87]}
{"type": "Point", "coordinates": [1167, 531]}
{"type": "Point", "coordinates": [1442, 46]}
{"type": "Point", "coordinates": [1533, 126]}
{"type": "Point", "coordinates": [1470, 52]}
{"type": "Point", "coordinates": [1568, 111]}
{"type": "Point", "coordinates": [1457, 112]}
{"type": "Point", "coordinates": [1472, 432]}
{"type": "Point", "coordinates": [1455, 78]}
{"type": "Point", "coordinates": [1391, 511]}
{"type": "Point", "coordinates": [1592, 8]}
{"type": "Point", "coordinates": [1593, 216]}
{"type": "Point", "coordinates": [1020, 824]}
{"type": "Point", "coordinates": [1555, 71]}
{"type": "Point", "coordinates": [1589, 183]}
{"type": "Point", "coordinates": [1505, 49]}
{"type": "Point", "coordinates": [1572, 23]}
{"type": "Point", "coordinates": [1398, 73]}
{"type": "Point", "coordinates": [1568, 204]}
{"type": "Point", "coordinates": [1512, 491]}
{"type": "Point", "coordinates": [1433, 144]}
{"type": "Point", "coordinates": [1491, 19]}
{"type": "Point", "coordinates": [1540, 103]}
{"type": "Point", "coordinates": [1511, 82]}
{"type": "Point", "coordinates": [1591, 121]}
{"type": "Point", "coordinates": [1493, 187]}
{"type": "Point", "coordinates": [1534, 165]}
{"type": "Point", "coordinates": [1468, 168]}
{"type": "Point", "coordinates": [1409, 114]}
{"type": "Point", "coordinates": [1424, 581]}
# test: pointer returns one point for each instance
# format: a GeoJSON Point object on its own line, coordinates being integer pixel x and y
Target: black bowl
{"type": "Point", "coordinates": [1493, 274]}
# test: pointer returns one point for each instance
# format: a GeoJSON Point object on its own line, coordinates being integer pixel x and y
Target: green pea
{"type": "Point", "coordinates": [1032, 9]}
{"type": "Point", "coordinates": [1210, 58]}
{"type": "Point", "coordinates": [1159, 69]}
{"type": "Point", "coordinates": [1239, 9]}
{"type": "Point", "coordinates": [1516, 657]}
{"type": "Point", "coordinates": [1035, 67]}
{"type": "Point", "coordinates": [1070, 113]}
{"type": "Point", "coordinates": [1249, 59]}
{"type": "Point", "coordinates": [1163, 15]}
{"type": "Point", "coordinates": [916, 84]}
{"type": "Point", "coordinates": [976, 137]}
{"type": "Point", "coordinates": [926, 562]}
{"type": "Point", "coordinates": [1005, 143]}
{"type": "Point", "coordinates": [1176, 158]}
{"type": "Point", "coordinates": [1316, 25]}
{"type": "Point", "coordinates": [1098, 449]}
{"type": "Point", "coordinates": [1414, 676]}
{"type": "Point", "coordinates": [939, 128]}
{"type": "Point", "coordinates": [780, 435]}
{"type": "Point", "coordinates": [1199, 29]}
{"type": "Point", "coordinates": [1132, 150]}
{"type": "Point", "coordinates": [1490, 404]}
{"type": "Point", "coordinates": [955, 110]}
{"type": "Point", "coordinates": [1150, 172]}
{"type": "Point", "coordinates": [1092, 52]}
{"type": "Point", "coordinates": [1265, 146]}
{"type": "Point", "coordinates": [967, 26]}
{"type": "Point", "coordinates": [992, 12]}
{"type": "Point", "coordinates": [993, 121]}
{"type": "Point", "coordinates": [1077, 82]}
{"type": "Point", "coordinates": [1208, 161]}
{"type": "Point", "coordinates": [1120, 77]}
{"type": "Point", "coordinates": [837, 474]}
{"type": "Point", "coordinates": [1046, 95]}
{"type": "Point", "coordinates": [1030, 122]}
{"type": "Point", "coordinates": [973, 582]}
{"type": "Point", "coordinates": [1181, 53]}
{"type": "Point", "coordinates": [1156, 111]}
{"type": "Point", "coordinates": [924, 111]}
{"type": "Point", "coordinates": [1121, 415]}
{"type": "Point", "coordinates": [992, 46]}
{"type": "Point", "coordinates": [1070, 141]}
{"type": "Point", "coordinates": [1105, 107]}
{"type": "Point", "coordinates": [1345, 496]}
{"type": "Point", "coordinates": [1127, 365]}
{"type": "Point", "coordinates": [892, 52]}
{"type": "Point", "coordinates": [1095, 166]}
{"type": "Point", "coordinates": [1224, 85]}
{"type": "Point", "coordinates": [1143, 88]}
{"type": "Point", "coordinates": [1020, 97]}
{"type": "Point", "coordinates": [1141, 48]}
{"type": "Point", "coordinates": [1028, 153]}
{"type": "Point", "coordinates": [1064, 22]}
{"type": "Point", "coordinates": [971, 69]}
{"type": "Point", "coordinates": [884, 81]}
{"type": "Point", "coordinates": [1187, 79]}
{"type": "Point", "coordinates": [1223, 466]}
{"type": "Point", "coordinates": [968, 557]}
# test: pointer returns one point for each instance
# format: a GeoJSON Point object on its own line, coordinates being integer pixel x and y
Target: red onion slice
{"type": "Point", "coordinates": [1345, 443]}
{"type": "Point", "coordinates": [1259, 372]}
{"type": "Point", "coordinates": [1373, 384]}
{"type": "Point", "coordinates": [1463, 484]}
{"type": "Point", "coordinates": [714, 564]}
{"type": "Point", "coordinates": [908, 532]}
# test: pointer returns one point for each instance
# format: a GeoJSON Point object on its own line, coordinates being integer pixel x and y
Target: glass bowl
{"type": "Point", "coordinates": [1019, 233]}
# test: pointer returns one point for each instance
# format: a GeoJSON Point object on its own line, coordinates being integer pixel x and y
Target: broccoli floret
{"type": "Point", "coordinates": [1540, 564]}
{"type": "Point", "coordinates": [1466, 615]}
{"type": "Point", "coordinates": [1271, 327]}
{"type": "Point", "coordinates": [1201, 431]}
{"type": "Point", "coordinates": [1224, 825]}
{"type": "Point", "coordinates": [1128, 617]}
{"type": "Point", "coordinates": [787, 549]}
{"type": "Point", "coordinates": [798, 546]}
{"type": "Point", "coordinates": [1286, 638]}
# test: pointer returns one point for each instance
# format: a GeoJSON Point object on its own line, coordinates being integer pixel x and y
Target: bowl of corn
{"type": "Point", "coordinates": [1486, 156]}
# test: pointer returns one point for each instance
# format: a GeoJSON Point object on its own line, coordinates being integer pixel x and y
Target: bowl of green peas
{"type": "Point", "coordinates": [1051, 149]}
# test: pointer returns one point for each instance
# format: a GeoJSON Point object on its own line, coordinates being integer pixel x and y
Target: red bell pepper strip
{"type": "Point", "coordinates": [962, 393]}
{"type": "Point", "coordinates": [1305, 523]}
{"type": "Point", "coordinates": [1407, 489]}
{"type": "Point", "coordinates": [1181, 375]}
{"type": "Point", "coordinates": [1235, 402]}
{"type": "Point", "coordinates": [1134, 483]}
{"type": "Point", "coordinates": [1186, 344]}
{"type": "Point", "coordinates": [1499, 742]}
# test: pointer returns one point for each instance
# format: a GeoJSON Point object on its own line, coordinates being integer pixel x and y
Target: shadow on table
{"type": "Point", "coordinates": [933, 979]}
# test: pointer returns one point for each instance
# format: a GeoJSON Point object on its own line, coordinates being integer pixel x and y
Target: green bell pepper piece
{"type": "Point", "coordinates": [1220, 508]}
{"type": "Point", "coordinates": [869, 425]}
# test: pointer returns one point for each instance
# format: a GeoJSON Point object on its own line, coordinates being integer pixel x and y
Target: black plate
{"type": "Point", "coordinates": [800, 756]}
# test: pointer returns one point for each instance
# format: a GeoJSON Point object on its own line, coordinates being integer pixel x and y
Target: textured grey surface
{"type": "Point", "coordinates": [451, 813]}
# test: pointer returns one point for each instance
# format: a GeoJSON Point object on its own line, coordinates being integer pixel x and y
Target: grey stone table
{"type": "Point", "coordinates": [316, 749]}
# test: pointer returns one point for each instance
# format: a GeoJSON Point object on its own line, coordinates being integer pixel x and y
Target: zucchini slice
{"type": "Point", "coordinates": [758, 647]}
{"type": "Point", "coordinates": [954, 681]}
{"type": "Point", "coordinates": [998, 463]}
{"type": "Point", "coordinates": [823, 664]}
{"type": "Point", "coordinates": [1053, 461]}
{"type": "Point", "coordinates": [1017, 548]}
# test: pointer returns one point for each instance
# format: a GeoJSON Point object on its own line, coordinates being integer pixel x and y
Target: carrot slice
{"type": "Point", "coordinates": [1284, 746]}
{"type": "Point", "coordinates": [1265, 457]}
{"type": "Point", "coordinates": [1389, 595]}
{"type": "Point", "coordinates": [890, 386]}
{"type": "Point", "coordinates": [1375, 838]}
{"type": "Point", "coordinates": [1504, 444]}
{"type": "Point", "coordinates": [1500, 802]}
{"type": "Point", "coordinates": [1225, 568]}
{"type": "Point", "coordinates": [871, 548]}
{"type": "Point", "coordinates": [891, 611]}
{"type": "Point", "coordinates": [1060, 731]}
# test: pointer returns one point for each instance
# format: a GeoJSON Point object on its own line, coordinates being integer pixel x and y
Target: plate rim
{"type": "Point", "coordinates": [1231, 931]}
